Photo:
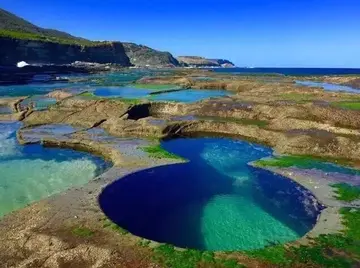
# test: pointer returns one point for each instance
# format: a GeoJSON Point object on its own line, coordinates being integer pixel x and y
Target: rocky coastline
{"type": "Point", "coordinates": [265, 112]}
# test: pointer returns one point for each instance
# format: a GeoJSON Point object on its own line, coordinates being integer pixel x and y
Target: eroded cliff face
{"type": "Point", "coordinates": [202, 62]}
{"type": "Point", "coordinates": [143, 56]}
{"type": "Point", "coordinates": [15, 50]}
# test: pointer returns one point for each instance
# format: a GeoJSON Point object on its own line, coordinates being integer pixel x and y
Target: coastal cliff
{"type": "Point", "coordinates": [143, 56]}
{"type": "Point", "coordinates": [34, 51]}
{"type": "Point", "coordinates": [195, 61]}
{"type": "Point", "coordinates": [21, 40]}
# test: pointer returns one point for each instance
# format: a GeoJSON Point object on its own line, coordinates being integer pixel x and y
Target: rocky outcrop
{"type": "Point", "coordinates": [143, 56]}
{"type": "Point", "coordinates": [15, 50]}
{"type": "Point", "coordinates": [194, 61]}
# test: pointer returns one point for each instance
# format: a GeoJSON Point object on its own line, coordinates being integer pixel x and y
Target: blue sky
{"type": "Point", "coordinates": [266, 33]}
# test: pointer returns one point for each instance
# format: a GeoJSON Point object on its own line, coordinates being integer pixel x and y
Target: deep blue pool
{"type": "Point", "coordinates": [216, 201]}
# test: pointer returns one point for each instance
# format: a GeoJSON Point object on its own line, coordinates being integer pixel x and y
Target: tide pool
{"type": "Point", "coordinates": [122, 92]}
{"type": "Point", "coordinates": [328, 86]}
{"type": "Point", "coordinates": [189, 95]}
{"type": "Point", "coordinates": [216, 201]}
{"type": "Point", "coordinates": [31, 173]}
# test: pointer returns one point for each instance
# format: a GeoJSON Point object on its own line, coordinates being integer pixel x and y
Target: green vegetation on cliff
{"type": "Point", "coordinates": [45, 38]}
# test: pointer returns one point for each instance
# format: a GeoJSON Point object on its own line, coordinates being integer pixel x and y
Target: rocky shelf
{"type": "Point", "coordinates": [71, 229]}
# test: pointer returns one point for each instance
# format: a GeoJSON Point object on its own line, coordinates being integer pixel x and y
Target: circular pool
{"type": "Point", "coordinates": [216, 201]}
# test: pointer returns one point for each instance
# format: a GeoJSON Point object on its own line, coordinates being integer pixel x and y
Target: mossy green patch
{"type": "Point", "coordinates": [168, 256]}
{"type": "Point", "coordinates": [347, 192]}
{"type": "Point", "coordinates": [156, 151]}
{"type": "Point", "coordinates": [274, 254]}
{"type": "Point", "coordinates": [83, 232]}
{"type": "Point", "coordinates": [153, 86]}
{"type": "Point", "coordinates": [286, 161]}
{"type": "Point", "coordinates": [347, 105]}
{"type": "Point", "coordinates": [309, 162]}
{"type": "Point", "coordinates": [88, 94]}
{"type": "Point", "coordinates": [297, 96]}
{"type": "Point", "coordinates": [129, 101]}
{"type": "Point", "coordinates": [91, 95]}
{"type": "Point", "coordinates": [113, 226]}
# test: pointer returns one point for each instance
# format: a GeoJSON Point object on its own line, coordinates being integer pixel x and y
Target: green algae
{"type": "Point", "coordinates": [90, 95]}
{"type": "Point", "coordinates": [156, 151]}
{"type": "Point", "coordinates": [154, 86]}
{"type": "Point", "coordinates": [83, 232]}
{"type": "Point", "coordinates": [297, 96]}
{"type": "Point", "coordinates": [286, 161]}
{"type": "Point", "coordinates": [347, 192]}
{"type": "Point", "coordinates": [168, 256]}
{"type": "Point", "coordinates": [309, 162]}
{"type": "Point", "coordinates": [113, 226]}
{"type": "Point", "coordinates": [347, 105]}
{"type": "Point", "coordinates": [331, 250]}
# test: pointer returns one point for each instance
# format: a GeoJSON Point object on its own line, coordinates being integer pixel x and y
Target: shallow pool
{"type": "Point", "coordinates": [37, 102]}
{"type": "Point", "coordinates": [30, 89]}
{"type": "Point", "coordinates": [328, 86]}
{"type": "Point", "coordinates": [30, 173]}
{"type": "Point", "coordinates": [122, 92]}
{"type": "Point", "coordinates": [214, 202]}
{"type": "Point", "coordinates": [189, 95]}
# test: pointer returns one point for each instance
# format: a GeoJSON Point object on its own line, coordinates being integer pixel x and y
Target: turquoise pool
{"type": "Point", "coordinates": [31, 173]}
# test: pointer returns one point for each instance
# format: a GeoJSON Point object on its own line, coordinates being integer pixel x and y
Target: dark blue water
{"type": "Point", "coordinates": [290, 71]}
{"type": "Point", "coordinates": [214, 202]}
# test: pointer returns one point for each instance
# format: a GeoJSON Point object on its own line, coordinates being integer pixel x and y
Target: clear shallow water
{"type": "Point", "coordinates": [38, 102]}
{"type": "Point", "coordinates": [328, 86]}
{"type": "Point", "coordinates": [5, 109]}
{"type": "Point", "coordinates": [122, 92]}
{"type": "Point", "coordinates": [31, 173]}
{"type": "Point", "coordinates": [189, 95]}
{"type": "Point", "coordinates": [214, 202]}
{"type": "Point", "coordinates": [30, 89]}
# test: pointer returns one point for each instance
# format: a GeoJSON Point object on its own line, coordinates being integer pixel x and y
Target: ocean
{"type": "Point", "coordinates": [291, 71]}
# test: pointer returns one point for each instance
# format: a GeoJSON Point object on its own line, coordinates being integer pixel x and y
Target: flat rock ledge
{"type": "Point", "coordinates": [40, 235]}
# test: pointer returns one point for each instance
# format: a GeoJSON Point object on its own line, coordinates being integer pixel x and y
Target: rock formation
{"type": "Point", "coordinates": [195, 61]}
